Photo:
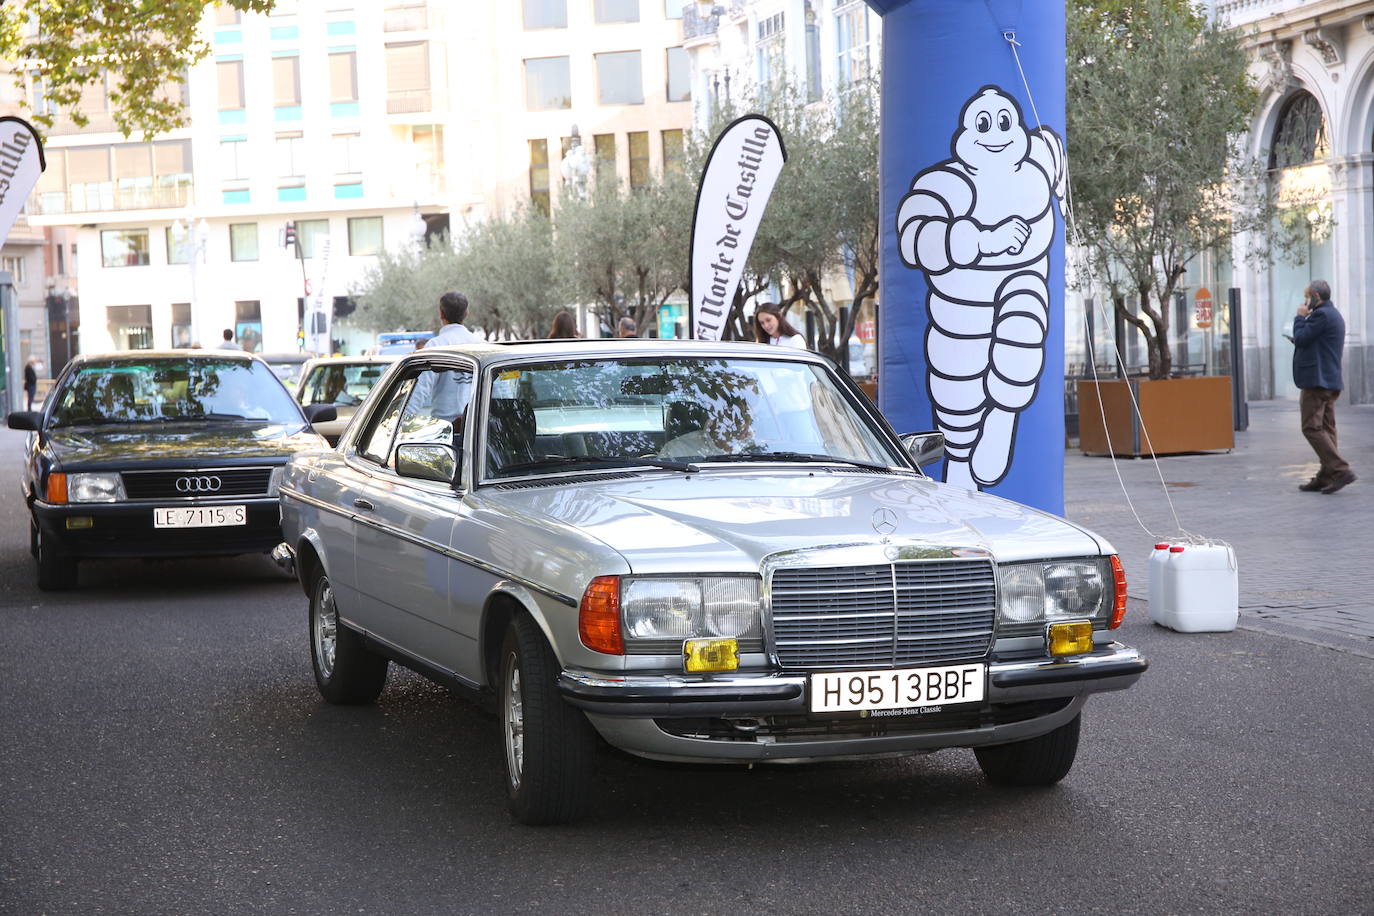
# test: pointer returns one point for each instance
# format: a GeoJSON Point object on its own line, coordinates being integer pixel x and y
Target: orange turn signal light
{"type": "Point", "coordinates": [1118, 594]}
{"type": "Point", "coordinates": [598, 616]}
{"type": "Point", "coordinates": [57, 487]}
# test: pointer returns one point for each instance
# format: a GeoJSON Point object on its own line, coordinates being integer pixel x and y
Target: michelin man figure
{"type": "Point", "coordinates": [980, 227]}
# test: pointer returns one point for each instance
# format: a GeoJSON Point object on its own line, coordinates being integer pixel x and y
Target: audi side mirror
{"type": "Point", "coordinates": [320, 413]}
{"type": "Point", "coordinates": [26, 419]}
{"type": "Point", "coordinates": [924, 448]}
{"type": "Point", "coordinates": [427, 461]}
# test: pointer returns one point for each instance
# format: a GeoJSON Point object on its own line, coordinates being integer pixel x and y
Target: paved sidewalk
{"type": "Point", "coordinates": [1305, 558]}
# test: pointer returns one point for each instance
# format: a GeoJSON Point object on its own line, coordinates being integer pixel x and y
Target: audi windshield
{"type": "Point", "coordinates": [173, 389]}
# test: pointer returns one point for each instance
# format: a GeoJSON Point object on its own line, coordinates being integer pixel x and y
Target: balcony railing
{"type": "Point", "coordinates": [696, 25]}
{"type": "Point", "coordinates": [408, 101]}
{"type": "Point", "coordinates": [412, 19]}
{"type": "Point", "coordinates": [93, 198]}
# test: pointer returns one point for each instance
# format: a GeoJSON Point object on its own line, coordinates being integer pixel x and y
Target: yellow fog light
{"type": "Point", "coordinates": [1071, 638]}
{"type": "Point", "coordinates": [80, 521]}
{"type": "Point", "coordinates": [710, 654]}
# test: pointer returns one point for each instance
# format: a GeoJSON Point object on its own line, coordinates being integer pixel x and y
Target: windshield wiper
{"type": "Point", "coordinates": [601, 460]}
{"type": "Point", "coordinates": [794, 456]}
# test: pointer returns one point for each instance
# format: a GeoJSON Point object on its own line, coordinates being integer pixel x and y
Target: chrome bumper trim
{"type": "Point", "coordinates": [285, 558]}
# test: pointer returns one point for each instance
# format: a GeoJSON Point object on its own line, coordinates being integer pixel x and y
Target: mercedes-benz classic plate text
{"type": "Point", "coordinates": [691, 551]}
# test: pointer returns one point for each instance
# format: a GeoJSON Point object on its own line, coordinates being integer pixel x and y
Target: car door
{"type": "Point", "coordinates": [403, 526]}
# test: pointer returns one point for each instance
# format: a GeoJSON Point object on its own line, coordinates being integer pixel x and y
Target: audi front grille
{"type": "Point", "coordinates": [891, 614]}
{"type": "Point", "coordinates": [197, 483]}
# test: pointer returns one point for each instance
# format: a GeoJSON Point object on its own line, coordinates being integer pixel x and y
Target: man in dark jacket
{"type": "Point", "coordinates": [1318, 339]}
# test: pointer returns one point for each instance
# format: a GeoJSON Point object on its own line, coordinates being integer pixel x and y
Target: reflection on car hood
{"type": "Point", "coordinates": [730, 520]}
{"type": "Point", "coordinates": [154, 444]}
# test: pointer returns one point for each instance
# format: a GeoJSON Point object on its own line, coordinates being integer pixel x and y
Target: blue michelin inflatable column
{"type": "Point", "coordinates": [971, 323]}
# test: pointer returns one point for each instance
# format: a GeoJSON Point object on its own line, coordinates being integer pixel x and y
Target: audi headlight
{"type": "Point", "coordinates": [659, 613]}
{"type": "Point", "coordinates": [1033, 594]}
{"type": "Point", "coordinates": [274, 482]}
{"type": "Point", "coordinates": [95, 488]}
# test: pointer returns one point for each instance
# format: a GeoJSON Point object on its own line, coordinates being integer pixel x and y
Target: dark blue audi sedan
{"type": "Point", "coordinates": [172, 453]}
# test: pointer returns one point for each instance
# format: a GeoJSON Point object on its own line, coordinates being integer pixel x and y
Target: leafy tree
{"type": "Point", "coordinates": [508, 274]}
{"type": "Point", "coordinates": [145, 47]}
{"type": "Point", "coordinates": [1158, 98]}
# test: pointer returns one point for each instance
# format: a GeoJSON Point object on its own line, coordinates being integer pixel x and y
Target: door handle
{"type": "Point", "coordinates": [360, 503]}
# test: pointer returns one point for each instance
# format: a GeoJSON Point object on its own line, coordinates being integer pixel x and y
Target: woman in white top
{"type": "Point", "coordinates": [771, 327]}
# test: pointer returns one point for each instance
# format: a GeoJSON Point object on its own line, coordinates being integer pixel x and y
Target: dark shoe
{"type": "Point", "coordinates": [1339, 481]}
{"type": "Point", "coordinates": [1312, 485]}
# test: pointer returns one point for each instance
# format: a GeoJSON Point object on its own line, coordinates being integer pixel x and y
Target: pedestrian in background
{"type": "Point", "coordinates": [1318, 339]}
{"type": "Point", "coordinates": [626, 328]}
{"type": "Point", "coordinates": [228, 342]}
{"type": "Point", "coordinates": [564, 326]}
{"type": "Point", "coordinates": [30, 382]}
{"type": "Point", "coordinates": [453, 311]}
{"type": "Point", "coordinates": [771, 327]}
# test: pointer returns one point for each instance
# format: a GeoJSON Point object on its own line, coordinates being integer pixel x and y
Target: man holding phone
{"type": "Point", "coordinates": [1318, 339]}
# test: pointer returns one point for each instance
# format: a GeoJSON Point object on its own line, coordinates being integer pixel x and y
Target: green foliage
{"type": "Point", "coordinates": [144, 46]}
{"type": "Point", "coordinates": [1158, 98]}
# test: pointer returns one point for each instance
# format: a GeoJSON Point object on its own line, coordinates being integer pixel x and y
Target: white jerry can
{"type": "Point", "coordinates": [1158, 558]}
{"type": "Point", "coordinates": [1201, 589]}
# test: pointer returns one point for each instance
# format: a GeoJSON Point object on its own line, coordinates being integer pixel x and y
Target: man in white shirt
{"type": "Point", "coordinates": [228, 342]}
{"type": "Point", "coordinates": [453, 308]}
{"type": "Point", "coordinates": [439, 392]}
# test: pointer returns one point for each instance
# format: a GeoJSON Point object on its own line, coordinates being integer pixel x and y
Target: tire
{"type": "Point", "coordinates": [549, 746]}
{"type": "Point", "coordinates": [346, 671]}
{"type": "Point", "coordinates": [1041, 761]}
{"type": "Point", "coordinates": [56, 570]}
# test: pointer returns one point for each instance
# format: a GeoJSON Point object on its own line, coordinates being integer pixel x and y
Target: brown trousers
{"type": "Point", "coordinates": [1318, 407]}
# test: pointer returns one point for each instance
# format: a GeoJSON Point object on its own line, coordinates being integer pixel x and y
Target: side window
{"type": "Point", "coordinates": [438, 407]}
{"type": "Point", "coordinates": [376, 439]}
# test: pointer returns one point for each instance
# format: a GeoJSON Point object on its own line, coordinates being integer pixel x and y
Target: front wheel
{"type": "Point", "coordinates": [346, 671]}
{"type": "Point", "coordinates": [1041, 761]}
{"type": "Point", "coordinates": [549, 745]}
{"type": "Point", "coordinates": [56, 570]}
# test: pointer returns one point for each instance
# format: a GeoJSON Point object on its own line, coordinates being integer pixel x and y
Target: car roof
{"type": "Point", "coordinates": [136, 355]}
{"type": "Point", "coordinates": [288, 356]}
{"type": "Point", "coordinates": [612, 348]}
{"type": "Point", "coordinates": [355, 360]}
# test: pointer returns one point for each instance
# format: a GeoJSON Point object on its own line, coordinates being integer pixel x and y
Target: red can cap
{"type": "Point", "coordinates": [1176, 549]}
{"type": "Point", "coordinates": [1161, 547]}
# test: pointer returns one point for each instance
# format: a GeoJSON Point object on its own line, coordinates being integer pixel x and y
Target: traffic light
{"type": "Point", "coordinates": [290, 235]}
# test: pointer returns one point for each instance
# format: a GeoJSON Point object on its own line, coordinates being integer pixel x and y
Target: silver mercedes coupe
{"type": "Point", "coordinates": [705, 552]}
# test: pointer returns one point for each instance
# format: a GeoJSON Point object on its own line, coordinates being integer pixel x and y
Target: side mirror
{"type": "Point", "coordinates": [26, 419]}
{"type": "Point", "coordinates": [427, 461]}
{"type": "Point", "coordinates": [320, 413]}
{"type": "Point", "coordinates": [924, 448]}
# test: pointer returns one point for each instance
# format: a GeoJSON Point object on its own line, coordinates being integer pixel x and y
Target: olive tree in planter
{"type": "Point", "coordinates": [1158, 99]}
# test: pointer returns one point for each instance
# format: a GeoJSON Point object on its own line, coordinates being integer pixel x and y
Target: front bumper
{"type": "Point", "coordinates": [125, 529]}
{"type": "Point", "coordinates": [1026, 697]}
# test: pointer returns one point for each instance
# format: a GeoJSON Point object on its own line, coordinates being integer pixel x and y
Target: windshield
{"type": "Point", "coordinates": [339, 384]}
{"type": "Point", "coordinates": [133, 391]}
{"type": "Point", "coordinates": [560, 415]}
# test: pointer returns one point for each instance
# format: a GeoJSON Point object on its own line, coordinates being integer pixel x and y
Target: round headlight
{"type": "Point", "coordinates": [732, 606]}
{"type": "Point", "coordinates": [1073, 589]}
{"type": "Point", "coordinates": [1023, 593]}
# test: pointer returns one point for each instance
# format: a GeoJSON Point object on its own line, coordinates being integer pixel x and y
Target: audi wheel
{"type": "Point", "coordinates": [56, 570]}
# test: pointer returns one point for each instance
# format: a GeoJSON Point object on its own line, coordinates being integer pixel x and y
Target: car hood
{"type": "Point", "coordinates": [728, 521]}
{"type": "Point", "coordinates": [174, 444]}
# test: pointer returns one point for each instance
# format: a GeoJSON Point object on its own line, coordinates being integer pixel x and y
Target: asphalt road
{"type": "Point", "coordinates": [163, 750]}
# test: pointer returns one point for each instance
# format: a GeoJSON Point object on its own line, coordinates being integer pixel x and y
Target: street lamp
{"type": "Point", "coordinates": [197, 235]}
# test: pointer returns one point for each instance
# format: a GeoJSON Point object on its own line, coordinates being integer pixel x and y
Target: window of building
{"type": "Point", "coordinates": [124, 247]}
{"type": "Point", "coordinates": [407, 77]}
{"type": "Point", "coordinates": [181, 324]}
{"type": "Point", "coordinates": [343, 76]}
{"type": "Point", "coordinates": [548, 83]}
{"type": "Point", "coordinates": [603, 146]}
{"type": "Point", "coordinates": [771, 50]}
{"type": "Point", "coordinates": [546, 14]}
{"type": "Point", "coordinates": [617, 11]}
{"type": "Point", "coordinates": [365, 235]}
{"type": "Point", "coordinates": [310, 233]}
{"type": "Point", "coordinates": [229, 73]}
{"type": "Point", "coordinates": [672, 9]}
{"type": "Point", "coordinates": [427, 146]}
{"type": "Point", "coordinates": [286, 81]}
{"type": "Point", "coordinates": [61, 252]}
{"type": "Point", "coordinates": [813, 56]}
{"type": "Point", "coordinates": [172, 171]}
{"type": "Point", "coordinates": [15, 266]}
{"type": "Point", "coordinates": [673, 152]}
{"type": "Point", "coordinates": [290, 155]}
{"type": "Point", "coordinates": [130, 326]}
{"type": "Point", "coordinates": [539, 175]}
{"type": "Point", "coordinates": [226, 14]}
{"type": "Point", "coordinates": [178, 238]}
{"type": "Point", "coordinates": [133, 168]}
{"type": "Point", "coordinates": [233, 158]}
{"type": "Point", "coordinates": [347, 154]}
{"type": "Point", "coordinates": [243, 242]}
{"type": "Point", "coordinates": [852, 43]}
{"type": "Point", "coordinates": [679, 76]}
{"type": "Point", "coordinates": [619, 79]}
{"type": "Point", "coordinates": [1300, 135]}
{"type": "Point", "coordinates": [88, 175]}
{"type": "Point", "coordinates": [248, 324]}
{"type": "Point", "coordinates": [639, 158]}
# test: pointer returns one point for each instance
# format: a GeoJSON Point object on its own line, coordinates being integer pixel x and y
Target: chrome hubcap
{"type": "Point", "coordinates": [515, 725]}
{"type": "Point", "coordinates": [326, 630]}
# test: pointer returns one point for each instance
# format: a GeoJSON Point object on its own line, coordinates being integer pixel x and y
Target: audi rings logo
{"type": "Point", "coordinates": [206, 484]}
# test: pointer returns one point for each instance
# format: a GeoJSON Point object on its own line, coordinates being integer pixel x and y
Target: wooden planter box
{"type": "Point", "coordinates": [1180, 414]}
